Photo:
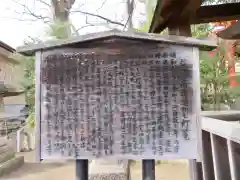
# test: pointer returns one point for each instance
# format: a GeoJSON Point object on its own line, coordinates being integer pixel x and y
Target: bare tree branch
{"type": "Point", "coordinates": [130, 9]}
{"type": "Point", "coordinates": [33, 19]}
{"type": "Point", "coordinates": [99, 16]}
{"type": "Point", "coordinates": [44, 2]}
{"type": "Point", "coordinates": [99, 24]}
{"type": "Point", "coordinates": [88, 25]}
{"type": "Point", "coordinates": [19, 19]}
{"type": "Point", "coordinates": [31, 13]}
{"type": "Point", "coordinates": [39, 17]}
{"type": "Point", "coordinates": [104, 2]}
{"type": "Point", "coordinates": [74, 29]}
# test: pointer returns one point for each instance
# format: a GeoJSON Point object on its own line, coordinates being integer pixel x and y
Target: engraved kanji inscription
{"type": "Point", "coordinates": [131, 105]}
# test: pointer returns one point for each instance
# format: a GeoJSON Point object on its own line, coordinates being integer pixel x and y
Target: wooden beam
{"type": "Point", "coordinates": [155, 20]}
{"type": "Point", "coordinates": [170, 11]}
{"type": "Point", "coordinates": [232, 32]}
{"type": "Point", "coordinates": [164, 13]}
{"type": "Point", "coordinates": [215, 13]}
{"type": "Point", "coordinates": [183, 30]}
{"type": "Point", "coordinates": [178, 14]}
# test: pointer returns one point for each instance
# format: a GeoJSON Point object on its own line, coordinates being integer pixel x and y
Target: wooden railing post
{"type": "Point", "coordinates": [207, 161]}
{"type": "Point", "coordinates": [220, 157]}
{"type": "Point", "coordinates": [235, 174]}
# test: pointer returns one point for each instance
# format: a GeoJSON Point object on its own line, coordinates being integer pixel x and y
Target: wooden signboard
{"type": "Point", "coordinates": [127, 105]}
{"type": "Point", "coordinates": [119, 98]}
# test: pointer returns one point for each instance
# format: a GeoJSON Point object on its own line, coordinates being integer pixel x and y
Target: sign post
{"type": "Point", "coordinates": [148, 169]}
{"type": "Point", "coordinates": [81, 169]}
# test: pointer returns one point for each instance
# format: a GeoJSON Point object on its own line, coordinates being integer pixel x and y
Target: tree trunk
{"type": "Point", "coordinates": [61, 9]}
{"type": "Point", "coordinates": [61, 12]}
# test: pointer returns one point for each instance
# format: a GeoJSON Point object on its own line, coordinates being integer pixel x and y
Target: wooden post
{"type": "Point", "coordinates": [38, 104]}
{"type": "Point", "coordinates": [81, 169]}
{"type": "Point", "coordinates": [184, 30]}
{"type": "Point", "coordinates": [148, 169]}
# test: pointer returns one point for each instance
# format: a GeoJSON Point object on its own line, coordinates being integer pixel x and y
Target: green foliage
{"type": "Point", "coordinates": [200, 30]}
{"type": "Point", "coordinates": [29, 85]}
{"type": "Point", "coordinates": [215, 89]}
{"type": "Point", "coordinates": [214, 77]}
{"type": "Point", "coordinates": [59, 30]}
{"type": "Point", "coordinates": [56, 30]}
{"type": "Point", "coordinates": [215, 80]}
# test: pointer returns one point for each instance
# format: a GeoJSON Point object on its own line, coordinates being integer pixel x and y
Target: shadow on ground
{"type": "Point", "coordinates": [30, 168]}
{"type": "Point", "coordinates": [65, 170]}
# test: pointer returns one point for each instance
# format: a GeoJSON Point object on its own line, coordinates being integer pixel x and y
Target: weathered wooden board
{"type": "Point", "coordinates": [127, 103]}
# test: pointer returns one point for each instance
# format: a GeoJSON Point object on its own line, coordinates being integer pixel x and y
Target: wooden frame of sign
{"type": "Point", "coordinates": [118, 94]}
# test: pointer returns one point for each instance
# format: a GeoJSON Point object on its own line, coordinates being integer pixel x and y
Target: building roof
{"type": "Point", "coordinates": [7, 89]}
{"type": "Point", "coordinates": [7, 51]}
{"type": "Point", "coordinates": [176, 12]}
{"type": "Point", "coordinates": [7, 47]}
{"type": "Point", "coordinates": [115, 35]}
{"type": "Point", "coordinates": [232, 32]}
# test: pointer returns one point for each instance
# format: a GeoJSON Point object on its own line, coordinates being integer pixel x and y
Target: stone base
{"type": "Point", "coordinates": [108, 176]}
{"type": "Point", "coordinates": [106, 170]}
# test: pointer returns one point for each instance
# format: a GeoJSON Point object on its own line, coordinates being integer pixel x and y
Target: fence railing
{"type": "Point", "coordinates": [220, 146]}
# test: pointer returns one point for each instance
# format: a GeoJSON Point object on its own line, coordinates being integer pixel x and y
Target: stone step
{"type": "Point", "coordinates": [11, 165]}
{"type": "Point", "coordinates": [7, 155]}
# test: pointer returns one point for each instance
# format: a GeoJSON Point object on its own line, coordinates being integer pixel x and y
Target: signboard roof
{"type": "Point", "coordinates": [113, 35]}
